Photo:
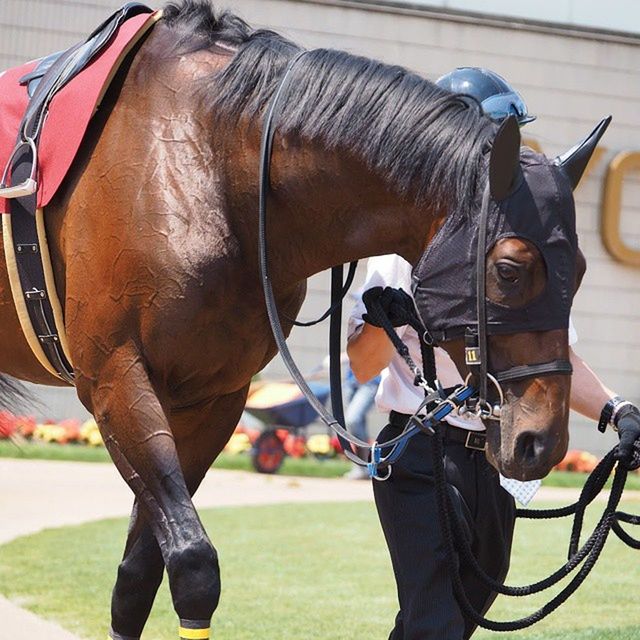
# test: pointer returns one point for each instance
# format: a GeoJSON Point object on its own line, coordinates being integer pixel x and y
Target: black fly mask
{"type": "Point", "coordinates": [540, 209]}
{"type": "Point", "coordinates": [527, 196]}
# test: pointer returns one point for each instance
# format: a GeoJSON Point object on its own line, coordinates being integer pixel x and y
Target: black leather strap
{"type": "Point", "coordinates": [481, 302]}
{"type": "Point", "coordinates": [555, 367]}
{"type": "Point", "coordinates": [31, 271]}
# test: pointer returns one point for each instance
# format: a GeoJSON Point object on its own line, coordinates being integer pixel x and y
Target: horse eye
{"type": "Point", "coordinates": [508, 272]}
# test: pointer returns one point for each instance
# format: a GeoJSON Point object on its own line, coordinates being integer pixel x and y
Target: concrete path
{"type": "Point", "coordinates": [36, 495]}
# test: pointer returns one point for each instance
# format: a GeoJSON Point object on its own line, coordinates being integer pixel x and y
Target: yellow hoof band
{"type": "Point", "coordinates": [193, 631]}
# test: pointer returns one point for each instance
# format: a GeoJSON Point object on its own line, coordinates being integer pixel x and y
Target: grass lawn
{"type": "Point", "coordinates": [304, 572]}
{"type": "Point", "coordinates": [330, 468]}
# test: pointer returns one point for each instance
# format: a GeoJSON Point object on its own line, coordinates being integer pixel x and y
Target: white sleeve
{"type": "Point", "coordinates": [382, 271]}
{"type": "Point", "coordinates": [573, 334]}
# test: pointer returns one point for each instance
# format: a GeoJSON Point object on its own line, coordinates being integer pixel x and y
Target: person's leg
{"type": "Point", "coordinates": [359, 406]}
{"type": "Point", "coordinates": [494, 521]}
{"type": "Point", "coordinates": [489, 517]}
{"type": "Point", "coordinates": [408, 513]}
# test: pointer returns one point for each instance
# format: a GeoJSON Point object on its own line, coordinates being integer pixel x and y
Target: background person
{"type": "Point", "coordinates": [359, 399]}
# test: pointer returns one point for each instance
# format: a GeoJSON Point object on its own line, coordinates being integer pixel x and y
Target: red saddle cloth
{"type": "Point", "coordinates": [69, 113]}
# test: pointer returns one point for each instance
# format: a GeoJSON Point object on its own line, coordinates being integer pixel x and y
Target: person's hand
{"type": "Point", "coordinates": [627, 423]}
{"type": "Point", "coordinates": [396, 304]}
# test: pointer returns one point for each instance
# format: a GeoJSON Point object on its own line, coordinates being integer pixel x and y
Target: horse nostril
{"type": "Point", "coordinates": [529, 447]}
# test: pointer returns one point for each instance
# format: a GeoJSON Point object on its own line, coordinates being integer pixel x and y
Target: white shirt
{"type": "Point", "coordinates": [397, 391]}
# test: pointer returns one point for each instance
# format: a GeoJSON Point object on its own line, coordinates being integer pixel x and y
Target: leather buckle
{"type": "Point", "coordinates": [476, 441]}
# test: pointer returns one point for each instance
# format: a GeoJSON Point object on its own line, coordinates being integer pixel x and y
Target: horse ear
{"type": "Point", "coordinates": [575, 161]}
{"type": "Point", "coordinates": [504, 162]}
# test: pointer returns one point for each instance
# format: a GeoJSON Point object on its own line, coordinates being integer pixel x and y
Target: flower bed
{"type": "Point", "coordinates": [63, 432]}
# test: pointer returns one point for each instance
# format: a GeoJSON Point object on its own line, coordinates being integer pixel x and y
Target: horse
{"type": "Point", "coordinates": [154, 244]}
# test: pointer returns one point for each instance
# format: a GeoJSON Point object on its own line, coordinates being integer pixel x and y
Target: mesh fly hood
{"type": "Point", "coordinates": [540, 209]}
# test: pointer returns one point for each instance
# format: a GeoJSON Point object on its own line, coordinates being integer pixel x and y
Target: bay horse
{"type": "Point", "coordinates": [154, 245]}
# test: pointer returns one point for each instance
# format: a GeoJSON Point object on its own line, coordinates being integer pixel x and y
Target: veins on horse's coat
{"type": "Point", "coordinates": [156, 434]}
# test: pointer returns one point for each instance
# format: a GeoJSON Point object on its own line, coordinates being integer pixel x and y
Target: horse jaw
{"type": "Point", "coordinates": [532, 435]}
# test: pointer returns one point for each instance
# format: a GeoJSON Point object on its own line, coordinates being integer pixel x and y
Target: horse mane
{"type": "Point", "coordinates": [426, 141]}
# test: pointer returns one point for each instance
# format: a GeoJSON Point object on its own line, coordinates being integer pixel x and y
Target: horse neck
{"type": "Point", "coordinates": [328, 208]}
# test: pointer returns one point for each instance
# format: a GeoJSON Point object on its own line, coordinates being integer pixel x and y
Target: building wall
{"type": "Point", "coordinates": [569, 81]}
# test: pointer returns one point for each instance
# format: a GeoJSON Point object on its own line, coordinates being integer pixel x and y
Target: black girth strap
{"type": "Point", "coordinates": [31, 271]}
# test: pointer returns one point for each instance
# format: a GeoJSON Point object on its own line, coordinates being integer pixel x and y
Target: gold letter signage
{"type": "Point", "coordinates": [623, 163]}
{"type": "Point", "coordinates": [612, 208]}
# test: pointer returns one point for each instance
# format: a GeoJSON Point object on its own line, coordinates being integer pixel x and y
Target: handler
{"type": "Point", "coordinates": [406, 502]}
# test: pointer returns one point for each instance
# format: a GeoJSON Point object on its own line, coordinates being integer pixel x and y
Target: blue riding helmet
{"type": "Point", "coordinates": [495, 95]}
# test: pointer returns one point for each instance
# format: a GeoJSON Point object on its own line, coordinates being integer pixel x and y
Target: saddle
{"type": "Point", "coordinates": [39, 162]}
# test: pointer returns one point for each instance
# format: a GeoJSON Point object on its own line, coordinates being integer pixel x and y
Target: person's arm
{"type": "Point", "coordinates": [588, 392]}
{"type": "Point", "coordinates": [591, 398]}
{"type": "Point", "coordinates": [370, 351]}
{"type": "Point", "coordinates": [368, 347]}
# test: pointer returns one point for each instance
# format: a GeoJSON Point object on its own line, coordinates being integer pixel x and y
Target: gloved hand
{"type": "Point", "coordinates": [396, 304]}
{"type": "Point", "coordinates": [627, 422]}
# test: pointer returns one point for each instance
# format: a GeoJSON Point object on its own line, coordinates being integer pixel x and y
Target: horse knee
{"type": "Point", "coordinates": [194, 577]}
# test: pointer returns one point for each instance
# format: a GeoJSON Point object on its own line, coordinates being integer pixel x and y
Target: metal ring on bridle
{"type": "Point", "coordinates": [495, 382]}
{"type": "Point", "coordinates": [383, 478]}
{"type": "Point", "coordinates": [428, 338]}
{"type": "Point", "coordinates": [485, 409]}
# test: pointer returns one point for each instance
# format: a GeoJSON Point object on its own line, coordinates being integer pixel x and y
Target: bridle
{"type": "Point", "coordinates": [437, 404]}
{"type": "Point", "coordinates": [476, 347]}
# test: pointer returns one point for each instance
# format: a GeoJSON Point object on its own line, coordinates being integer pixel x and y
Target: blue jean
{"type": "Point", "coordinates": [359, 399]}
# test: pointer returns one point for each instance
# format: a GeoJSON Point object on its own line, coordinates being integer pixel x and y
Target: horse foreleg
{"type": "Point", "coordinates": [141, 569]}
{"type": "Point", "coordinates": [137, 434]}
{"type": "Point", "coordinates": [139, 576]}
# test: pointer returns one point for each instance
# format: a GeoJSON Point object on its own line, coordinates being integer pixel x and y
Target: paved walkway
{"type": "Point", "coordinates": [36, 495]}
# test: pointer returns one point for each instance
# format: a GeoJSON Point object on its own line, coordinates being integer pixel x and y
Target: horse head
{"type": "Point", "coordinates": [496, 288]}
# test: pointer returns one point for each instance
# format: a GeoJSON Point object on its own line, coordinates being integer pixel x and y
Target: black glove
{"type": "Point", "coordinates": [627, 422]}
{"type": "Point", "coordinates": [395, 304]}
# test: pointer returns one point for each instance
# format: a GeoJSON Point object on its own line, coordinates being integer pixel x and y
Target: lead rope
{"type": "Point", "coordinates": [456, 541]}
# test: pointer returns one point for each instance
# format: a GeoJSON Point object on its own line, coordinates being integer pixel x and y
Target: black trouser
{"type": "Point", "coordinates": [408, 513]}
